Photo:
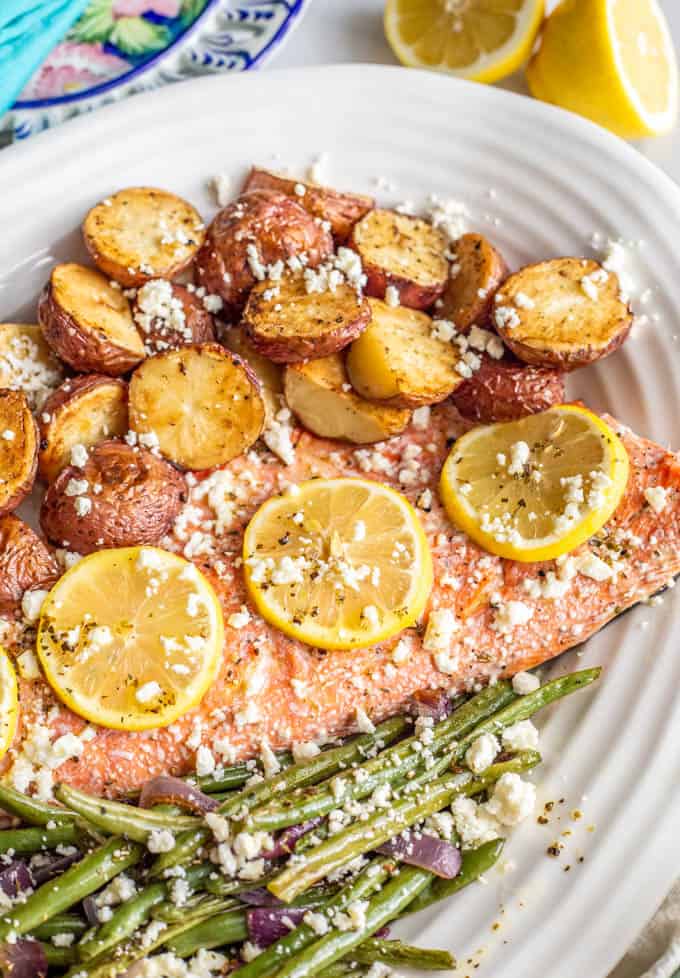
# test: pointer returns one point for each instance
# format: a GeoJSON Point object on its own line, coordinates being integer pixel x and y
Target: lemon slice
{"type": "Point", "coordinates": [338, 563]}
{"type": "Point", "coordinates": [482, 40]}
{"type": "Point", "coordinates": [536, 488]}
{"type": "Point", "coordinates": [9, 702]}
{"type": "Point", "coordinates": [611, 61]}
{"type": "Point", "coordinates": [131, 638]}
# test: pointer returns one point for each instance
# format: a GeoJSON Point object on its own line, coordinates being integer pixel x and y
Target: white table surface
{"type": "Point", "coordinates": [337, 31]}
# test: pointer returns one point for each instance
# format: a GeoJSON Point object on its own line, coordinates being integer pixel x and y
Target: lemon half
{"type": "Point", "coordinates": [338, 563]}
{"type": "Point", "coordinates": [536, 488]}
{"type": "Point", "coordinates": [131, 638]}
{"type": "Point", "coordinates": [9, 702]}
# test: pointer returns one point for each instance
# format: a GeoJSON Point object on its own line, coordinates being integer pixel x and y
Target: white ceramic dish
{"type": "Point", "coordinates": [611, 752]}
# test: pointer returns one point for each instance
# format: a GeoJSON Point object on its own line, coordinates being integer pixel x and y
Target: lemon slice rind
{"type": "Point", "coordinates": [9, 702]}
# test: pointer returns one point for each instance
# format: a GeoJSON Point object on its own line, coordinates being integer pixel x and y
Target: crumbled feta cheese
{"type": "Point", "coordinates": [657, 497]}
{"type": "Point", "coordinates": [481, 752]}
{"type": "Point", "coordinates": [522, 735]}
{"type": "Point", "coordinates": [474, 824]}
{"type": "Point", "coordinates": [512, 799]}
{"type": "Point", "coordinates": [239, 619]}
{"type": "Point", "coordinates": [160, 840]}
{"type": "Point", "coordinates": [441, 626]}
{"type": "Point", "coordinates": [392, 297]}
{"type": "Point", "coordinates": [148, 691]}
{"type": "Point", "coordinates": [31, 604]}
{"type": "Point", "coordinates": [79, 456]}
{"type": "Point", "coordinates": [318, 922]}
{"type": "Point", "coordinates": [506, 317]}
{"type": "Point", "coordinates": [221, 185]}
{"type": "Point", "coordinates": [510, 615]}
{"type": "Point", "coordinates": [364, 723]}
{"type": "Point", "coordinates": [205, 761]}
{"type": "Point", "coordinates": [82, 506]}
{"type": "Point", "coordinates": [524, 683]}
{"type": "Point", "coordinates": [306, 751]}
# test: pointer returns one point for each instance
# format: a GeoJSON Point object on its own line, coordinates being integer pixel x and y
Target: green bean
{"type": "Point", "coordinates": [29, 810]}
{"type": "Point", "coordinates": [225, 928]}
{"type": "Point", "coordinates": [474, 863]}
{"type": "Point", "coordinates": [232, 887]}
{"type": "Point", "coordinates": [24, 841]}
{"type": "Point", "coordinates": [395, 896]}
{"type": "Point", "coordinates": [324, 765]}
{"type": "Point", "coordinates": [403, 955]}
{"type": "Point", "coordinates": [342, 969]}
{"type": "Point", "coordinates": [125, 920]}
{"type": "Point", "coordinates": [389, 767]}
{"type": "Point", "coordinates": [362, 836]}
{"type": "Point", "coordinates": [119, 819]}
{"type": "Point", "coordinates": [79, 880]}
{"type": "Point", "coordinates": [202, 905]}
{"type": "Point", "coordinates": [268, 962]}
{"type": "Point", "coordinates": [63, 923]}
{"type": "Point", "coordinates": [59, 957]}
{"type": "Point", "coordinates": [526, 706]}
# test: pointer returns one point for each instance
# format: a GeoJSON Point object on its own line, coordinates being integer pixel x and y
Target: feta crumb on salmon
{"type": "Point", "coordinates": [657, 497]}
{"type": "Point", "coordinates": [524, 683]}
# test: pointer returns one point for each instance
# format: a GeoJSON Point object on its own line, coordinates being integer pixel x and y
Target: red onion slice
{"type": "Point", "coordinates": [23, 959]}
{"type": "Point", "coordinates": [268, 924]}
{"type": "Point", "coordinates": [54, 867]}
{"type": "Point", "coordinates": [440, 857]}
{"type": "Point", "coordinates": [165, 790]}
{"type": "Point", "coordinates": [91, 910]}
{"type": "Point", "coordinates": [433, 703]}
{"type": "Point", "coordinates": [15, 878]}
{"type": "Point", "coordinates": [285, 842]}
{"type": "Point", "coordinates": [260, 897]}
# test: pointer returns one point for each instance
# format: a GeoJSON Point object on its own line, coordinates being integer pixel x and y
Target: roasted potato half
{"type": "Point", "coordinates": [399, 361]}
{"type": "Point", "coordinates": [169, 315]}
{"type": "Point", "coordinates": [18, 449]}
{"type": "Point", "coordinates": [27, 363]}
{"type": "Point", "coordinates": [507, 389]}
{"type": "Point", "coordinates": [84, 411]}
{"type": "Point", "coordinates": [121, 497]}
{"type": "Point", "coordinates": [476, 272]}
{"type": "Point", "coordinates": [563, 313]}
{"type": "Point", "coordinates": [141, 233]}
{"type": "Point", "coordinates": [26, 563]}
{"type": "Point", "coordinates": [403, 252]}
{"type": "Point", "coordinates": [255, 231]}
{"type": "Point", "coordinates": [319, 394]}
{"type": "Point", "coordinates": [287, 324]}
{"type": "Point", "coordinates": [88, 322]}
{"type": "Point", "coordinates": [341, 210]}
{"type": "Point", "coordinates": [202, 403]}
{"type": "Point", "coordinates": [269, 374]}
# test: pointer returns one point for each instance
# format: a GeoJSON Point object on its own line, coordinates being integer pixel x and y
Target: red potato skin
{"type": "Point", "coordinates": [481, 263]}
{"type": "Point", "coordinates": [140, 499]}
{"type": "Point", "coordinates": [9, 500]}
{"type": "Point", "coordinates": [81, 349]}
{"type": "Point", "coordinates": [505, 390]}
{"type": "Point", "coordinates": [26, 563]}
{"type": "Point", "coordinates": [341, 210]}
{"type": "Point", "coordinates": [198, 320]}
{"type": "Point", "coordinates": [62, 397]}
{"type": "Point", "coordinates": [279, 228]}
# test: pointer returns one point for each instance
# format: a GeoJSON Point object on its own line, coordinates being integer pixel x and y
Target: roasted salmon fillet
{"type": "Point", "coordinates": [276, 690]}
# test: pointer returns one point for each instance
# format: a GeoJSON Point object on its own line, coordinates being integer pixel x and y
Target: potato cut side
{"type": "Point", "coordinates": [565, 313]}
{"type": "Point", "coordinates": [18, 449]}
{"type": "Point", "coordinates": [80, 414]}
{"type": "Point", "coordinates": [476, 272]}
{"type": "Point", "coordinates": [26, 563]}
{"type": "Point", "coordinates": [138, 498]}
{"type": "Point", "coordinates": [88, 322]}
{"type": "Point", "coordinates": [341, 210]}
{"type": "Point", "coordinates": [141, 233]}
{"type": "Point", "coordinates": [287, 323]}
{"type": "Point", "coordinates": [320, 395]}
{"type": "Point", "coordinates": [268, 373]}
{"type": "Point", "coordinates": [169, 315]}
{"type": "Point", "coordinates": [27, 363]}
{"type": "Point", "coordinates": [399, 360]}
{"type": "Point", "coordinates": [403, 252]}
{"type": "Point", "coordinates": [507, 389]}
{"type": "Point", "coordinates": [202, 403]}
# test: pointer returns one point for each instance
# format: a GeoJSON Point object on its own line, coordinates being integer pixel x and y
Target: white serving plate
{"type": "Point", "coordinates": [612, 751]}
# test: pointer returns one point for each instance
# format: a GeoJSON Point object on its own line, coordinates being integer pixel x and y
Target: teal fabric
{"type": "Point", "coordinates": [29, 29]}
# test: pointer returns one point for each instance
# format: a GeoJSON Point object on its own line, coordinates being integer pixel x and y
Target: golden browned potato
{"type": "Point", "coordinates": [563, 313]}
{"type": "Point", "coordinates": [202, 404]}
{"type": "Point", "coordinates": [18, 449]}
{"type": "Point", "coordinates": [141, 233]}
{"type": "Point", "coordinates": [169, 315]}
{"type": "Point", "coordinates": [404, 253]}
{"type": "Point", "coordinates": [123, 496]}
{"type": "Point", "coordinates": [88, 322]}
{"type": "Point", "coordinates": [27, 363]}
{"type": "Point", "coordinates": [341, 210]}
{"type": "Point", "coordinates": [288, 324]}
{"type": "Point", "coordinates": [25, 563]}
{"type": "Point", "coordinates": [269, 374]}
{"type": "Point", "coordinates": [81, 413]}
{"type": "Point", "coordinates": [319, 394]}
{"type": "Point", "coordinates": [400, 360]}
{"type": "Point", "coordinates": [476, 273]}
{"type": "Point", "coordinates": [507, 389]}
{"type": "Point", "coordinates": [247, 237]}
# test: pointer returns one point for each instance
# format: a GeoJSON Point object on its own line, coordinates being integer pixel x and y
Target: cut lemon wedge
{"type": "Point", "coordinates": [611, 61]}
{"type": "Point", "coordinates": [536, 488]}
{"type": "Point", "coordinates": [131, 638]}
{"type": "Point", "coordinates": [338, 563]}
{"type": "Point", "coordinates": [482, 40]}
{"type": "Point", "coordinates": [9, 702]}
